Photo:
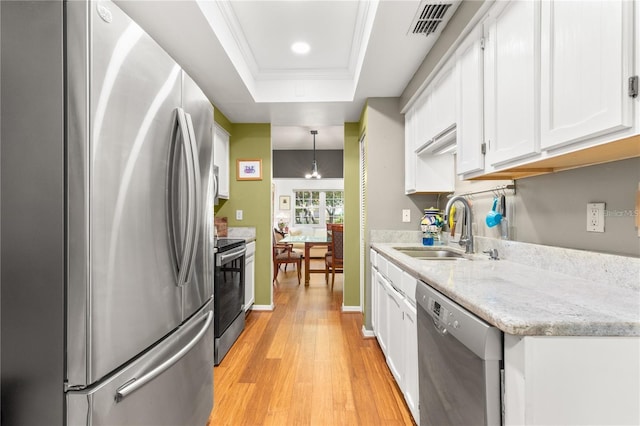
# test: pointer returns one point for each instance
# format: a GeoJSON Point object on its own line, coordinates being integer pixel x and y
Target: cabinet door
{"type": "Point", "coordinates": [221, 159]}
{"type": "Point", "coordinates": [410, 388]}
{"type": "Point", "coordinates": [374, 301]}
{"type": "Point", "coordinates": [421, 121]}
{"type": "Point", "coordinates": [511, 82]}
{"type": "Point", "coordinates": [250, 273]}
{"type": "Point", "coordinates": [395, 342]}
{"type": "Point", "coordinates": [585, 63]}
{"type": "Point", "coordinates": [469, 131]}
{"type": "Point", "coordinates": [382, 331]}
{"type": "Point", "coordinates": [443, 111]}
{"type": "Point", "coordinates": [409, 152]}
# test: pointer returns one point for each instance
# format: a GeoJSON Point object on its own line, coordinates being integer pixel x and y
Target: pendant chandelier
{"type": "Point", "coordinates": [314, 166]}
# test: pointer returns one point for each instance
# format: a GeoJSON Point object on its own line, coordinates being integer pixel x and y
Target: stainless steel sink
{"type": "Point", "coordinates": [431, 253]}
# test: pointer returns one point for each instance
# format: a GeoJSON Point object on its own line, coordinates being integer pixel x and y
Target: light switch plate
{"type": "Point", "coordinates": [406, 215]}
{"type": "Point", "coordinates": [595, 217]}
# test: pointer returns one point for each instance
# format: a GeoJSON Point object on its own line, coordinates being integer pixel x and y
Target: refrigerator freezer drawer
{"type": "Point", "coordinates": [176, 383]}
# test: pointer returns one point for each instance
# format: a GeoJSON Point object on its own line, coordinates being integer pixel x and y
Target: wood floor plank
{"type": "Point", "coordinates": [306, 363]}
{"type": "Point", "coordinates": [322, 394]}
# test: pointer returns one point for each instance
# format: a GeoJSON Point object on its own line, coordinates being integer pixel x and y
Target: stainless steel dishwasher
{"type": "Point", "coordinates": [460, 363]}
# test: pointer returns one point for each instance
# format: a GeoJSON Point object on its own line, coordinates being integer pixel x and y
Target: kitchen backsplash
{"type": "Point", "coordinates": [552, 209]}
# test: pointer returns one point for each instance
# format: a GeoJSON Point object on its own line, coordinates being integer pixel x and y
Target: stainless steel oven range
{"type": "Point", "coordinates": [460, 363]}
{"type": "Point", "coordinates": [228, 295]}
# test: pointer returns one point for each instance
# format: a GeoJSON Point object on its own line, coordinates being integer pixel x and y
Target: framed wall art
{"type": "Point", "coordinates": [249, 169]}
{"type": "Point", "coordinates": [285, 202]}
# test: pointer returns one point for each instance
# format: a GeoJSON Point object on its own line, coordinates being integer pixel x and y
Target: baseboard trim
{"type": "Point", "coordinates": [351, 308]}
{"type": "Point", "coordinates": [367, 334]}
{"type": "Point", "coordinates": [262, 307]}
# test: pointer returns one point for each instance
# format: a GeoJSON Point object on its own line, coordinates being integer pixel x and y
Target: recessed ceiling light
{"type": "Point", "coordinates": [300, 48]}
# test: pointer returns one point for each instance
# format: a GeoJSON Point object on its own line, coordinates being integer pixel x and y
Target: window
{"type": "Point", "coordinates": [319, 207]}
{"type": "Point", "coordinates": [307, 207]}
{"type": "Point", "coordinates": [334, 206]}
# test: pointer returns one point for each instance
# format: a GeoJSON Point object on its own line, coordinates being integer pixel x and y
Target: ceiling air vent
{"type": "Point", "coordinates": [429, 17]}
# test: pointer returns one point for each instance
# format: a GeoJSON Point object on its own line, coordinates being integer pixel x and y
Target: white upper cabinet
{"type": "Point", "coordinates": [429, 127]}
{"type": "Point", "coordinates": [409, 153]}
{"type": "Point", "coordinates": [221, 159]}
{"type": "Point", "coordinates": [469, 97]}
{"type": "Point", "coordinates": [586, 61]}
{"type": "Point", "coordinates": [531, 81]}
{"type": "Point", "coordinates": [511, 81]}
{"type": "Point", "coordinates": [443, 103]}
{"type": "Point", "coordinates": [436, 111]}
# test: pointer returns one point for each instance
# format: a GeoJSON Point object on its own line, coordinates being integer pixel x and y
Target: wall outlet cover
{"type": "Point", "coordinates": [238, 214]}
{"type": "Point", "coordinates": [595, 217]}
{"type": "Point", "coordinates": [406, 215]}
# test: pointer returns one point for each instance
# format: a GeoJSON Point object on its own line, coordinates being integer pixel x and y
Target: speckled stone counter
{"type": "Point", "coordinates": [247, 232]}
{"type": "Point", "coordinates": [594, 295]}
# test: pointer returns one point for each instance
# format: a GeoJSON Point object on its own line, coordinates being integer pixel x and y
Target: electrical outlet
{"type": "Point", "coordinates": [406, 215]}
{"type": "Point", "coordinates": [595, 217]}
{"type": "Point", "coordinates": [238, 214]}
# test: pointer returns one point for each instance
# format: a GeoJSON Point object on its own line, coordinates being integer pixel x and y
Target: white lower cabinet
{"type": "Point", "coordinates": [374, 290]}
{"type": "Point", "coordinates": [410, 350]}
{"type": "Point", "coordinates": [249, 276]}
{"type": "Point", "coordinates": [571, 380]}
{"type": "Point", "coordinates": [382, 329]}
{"type": "Point", "coordinates": [395, 344]}
{"type": "Point", "coordinates": [394, 324]}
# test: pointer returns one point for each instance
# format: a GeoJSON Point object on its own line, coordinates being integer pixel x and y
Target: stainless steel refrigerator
{"type": "Point", "coordinates": [107, 188]}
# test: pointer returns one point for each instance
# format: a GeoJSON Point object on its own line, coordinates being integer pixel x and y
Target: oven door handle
{"type": "Point", "coordinates": [234, 254]}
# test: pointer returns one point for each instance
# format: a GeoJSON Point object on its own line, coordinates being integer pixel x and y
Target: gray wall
{"type": "Point", "coordinates": [385, 170]}
{"type": "Point", "coordinates": [552, 209]}
{"type": "Point", "coordinates": [297, 163]}
{"type": "Point", "coordinates": [385, 198]}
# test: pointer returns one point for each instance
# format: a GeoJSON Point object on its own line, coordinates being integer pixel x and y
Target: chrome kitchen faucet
{"type": "Point", "coordinates": [466, 236]}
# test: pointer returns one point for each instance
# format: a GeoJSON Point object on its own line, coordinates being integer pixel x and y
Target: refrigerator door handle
{"type": "Point", "coordinates": [136, 383]}
{"type": "Point", "coordinates": [196, 193]}
{"type": "Point", "coordinates": [183, 262]}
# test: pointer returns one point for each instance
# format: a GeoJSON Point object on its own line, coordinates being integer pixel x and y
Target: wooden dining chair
{"type": "Point", "coordinates": [333, 259]}
{"type": "Point", "coordinates": [283, 254]}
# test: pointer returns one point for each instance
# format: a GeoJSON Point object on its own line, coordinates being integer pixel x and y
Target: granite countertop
{"type": "Point", "coordinates": [521, 299]}
{"type": "Point", "coordinates": [246, 233]}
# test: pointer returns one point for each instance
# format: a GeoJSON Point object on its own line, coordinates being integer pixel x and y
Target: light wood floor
{"type": "Point", "coordinates": [306, 363]}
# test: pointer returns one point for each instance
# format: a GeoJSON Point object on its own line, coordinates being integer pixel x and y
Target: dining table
{"type": "Point", "coordinates": [309, 241]}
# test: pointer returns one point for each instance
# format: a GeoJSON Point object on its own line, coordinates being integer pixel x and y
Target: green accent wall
{"type": "Point", "coordinates": [222, 120]}
{"type": "Point", "coordinates": [364, 116]}
{"type": "Point", "coordinates": [351, 292]}
{"type": "Point", "coordinates": [251, 141]}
